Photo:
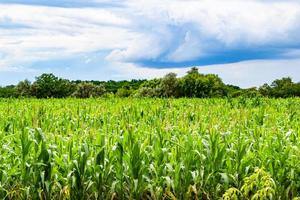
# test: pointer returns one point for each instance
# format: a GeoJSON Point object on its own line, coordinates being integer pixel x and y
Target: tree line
{"type": "Point", "coordinates": [193, 84]}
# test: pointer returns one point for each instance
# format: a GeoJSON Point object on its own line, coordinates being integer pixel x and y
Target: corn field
{"type": "Point", "coordinates": [150, 149]}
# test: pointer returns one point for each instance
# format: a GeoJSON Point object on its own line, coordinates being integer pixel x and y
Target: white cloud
{"type": "Point", "coordinates": [156, 31]}
{"type": "Point", "coordinates": [215, 26]}
{"type": "Point", "coordinates": [189, 49]}
{"type": "Point", "coordinates": [142, 47]}
{"type": "Point", "coordinates": [51, 32]}
{"type": "Point", "coordinates": [228, 21]}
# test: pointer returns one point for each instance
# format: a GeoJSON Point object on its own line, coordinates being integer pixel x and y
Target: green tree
{"type": "Point", "coordinates": [169, 85]}
{"type": "Point", "coordinates": [45, 86]}
{"type": "Point", "coordinates": [24, 88]}
{"type": "Point", "coordinates": [215, 86]}
{"type": "Point", "coordinates": [282, 88]}
{"type": "Point", "coordinates": [250, 92]}
{"type": "Point", "coordinates": [64, 88]}
{"type": "Point", "coordinates": [150, 88]}
{"type": "Point", "coordinates": [297, 89]}
{"type": "Point", "coordinates": [193, 70]}
{"type": "Point", "coordinates": [199, 85]}
{"type": "Point", "coordinates": [148, 92]}
{"type": "Point", "coordinates": [124, 92]}
{"type": "Point", "coordinates": [265, 90]}
{"type": "Point", "coordinates": [8, 91]}
{"type": "Point", "coordinates": [87, 90]}
{"type": "Point", "coordinates": [232, 90]}
{"type": "Point", "coordinates": [48, 85]}
{"type": "Point", "coordinates": [189, 83]}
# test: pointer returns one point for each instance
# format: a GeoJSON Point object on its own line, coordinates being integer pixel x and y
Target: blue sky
{"type": "Point", "coordinates": [246, 43]}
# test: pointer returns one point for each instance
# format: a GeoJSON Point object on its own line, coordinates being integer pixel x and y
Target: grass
{"type": "Point", "coordinates": [150, 149]}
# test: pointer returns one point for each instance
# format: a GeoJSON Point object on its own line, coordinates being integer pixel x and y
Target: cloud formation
{"type": "Point", "coordinates": [39, 32]}
{"type": "Point", "coordinates": [210, 32]}
{"type": "Point", "coordinates": [147, 33]}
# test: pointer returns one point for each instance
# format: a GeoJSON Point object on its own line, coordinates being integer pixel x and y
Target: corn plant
{"type": "Point", "coordinates": [235, 148]}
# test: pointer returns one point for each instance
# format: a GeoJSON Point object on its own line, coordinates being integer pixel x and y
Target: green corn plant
{"type": "Point", "coordinates": [259, 185]}
{"type": "Point", "coordinates": [25, 150]}
{"type": "Point", "coordinates": [149, 148]}
{"type": "Point", "coordinates": [78, 183]}
{"type": "Point", "coordinates": [233, 194]}
{"type": "Point", "coordinates": [120, 169]}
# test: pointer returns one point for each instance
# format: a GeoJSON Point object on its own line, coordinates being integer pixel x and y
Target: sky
{"type": "Point", "coordinates": [247, 43]}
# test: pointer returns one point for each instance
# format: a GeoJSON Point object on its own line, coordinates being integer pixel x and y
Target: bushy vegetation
{"type": "Point", "coordinates": [234, 148]}
{"type": "Point", "coordinates": [193, 84]}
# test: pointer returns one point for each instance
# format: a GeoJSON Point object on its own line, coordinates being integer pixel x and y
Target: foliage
{"type": "Point", "coordinates": [24, 88]}
{"type": "Point", "coordinates": [147, 92]}
{"type": "Point", "coordinates": [169, 85]}
{"type": "Point", "coordinates": [193, 84]}
{"type": "Point", "coordinates": [48, 85]}
{"type": "Point", "coordinates": [131, 148]}
{"type": "Point", "coordinates": [199, 85]}
{"type": "Point", "coordinates": [113, 86]}
{"type": "Point", "coordinates": [259, 185]}
{"type": "Point", "coordinates": [8, 91]}
{"type": "Point", "coordinates": [87, 90]}
{"type": "Point", "coordinates": [283, 88]}
{"type": "Point", "coordinates": [124, 92]}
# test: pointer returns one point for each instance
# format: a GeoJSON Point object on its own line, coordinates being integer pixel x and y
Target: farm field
{"type": "Point", "coordinates": [150, 148]}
